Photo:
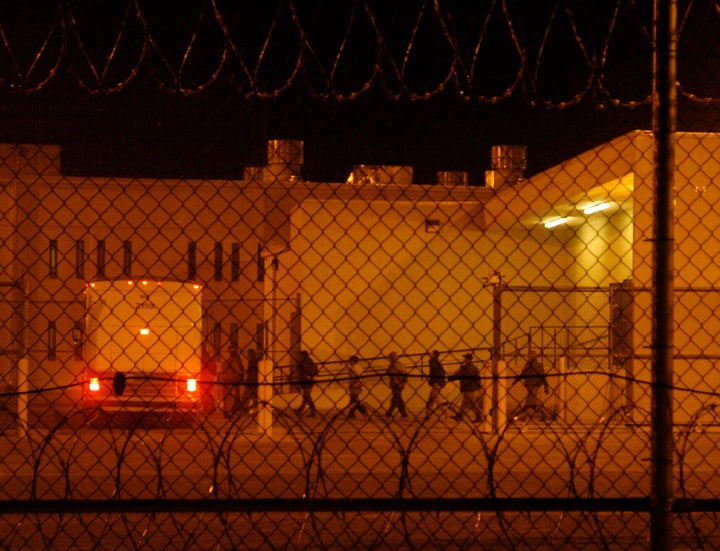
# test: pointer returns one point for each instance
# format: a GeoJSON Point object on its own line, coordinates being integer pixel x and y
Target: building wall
{"type": "Point", "coordinates": [52, 247]}
{"type": "Point", "coordinates": [374, 278]}
{"type": "Point", "coordinates": [374, 267]}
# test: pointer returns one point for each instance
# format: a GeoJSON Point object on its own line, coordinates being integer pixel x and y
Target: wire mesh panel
{"type": "Point", "coordinates": [230, 343]}
{"type": "Point", "coordinates": [380, 342]}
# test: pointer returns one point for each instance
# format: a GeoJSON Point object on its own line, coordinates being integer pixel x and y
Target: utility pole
{"type": "Point", "coordinates": [495, 279]}
{"type": "Point", "coordinates": [664, 127]}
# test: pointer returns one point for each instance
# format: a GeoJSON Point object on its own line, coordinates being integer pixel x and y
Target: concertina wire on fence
{"type": "Point", "coordinates": [555, 54]}
{"type": "Point", "coordinates": [155, 392]}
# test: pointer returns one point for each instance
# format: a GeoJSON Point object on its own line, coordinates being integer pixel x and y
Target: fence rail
{"type": "Point", "coordinates": [573, 485]}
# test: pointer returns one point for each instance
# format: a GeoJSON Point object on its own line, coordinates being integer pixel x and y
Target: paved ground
{"type": "Point", "coordinates": [329, 456]}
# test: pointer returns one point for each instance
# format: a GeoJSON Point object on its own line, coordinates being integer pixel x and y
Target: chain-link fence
{"type": "Point", "coordinates": [379, 361]}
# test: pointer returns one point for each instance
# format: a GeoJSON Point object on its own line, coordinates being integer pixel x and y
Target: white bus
{"type": "Point", "coordinates": [142, 345]}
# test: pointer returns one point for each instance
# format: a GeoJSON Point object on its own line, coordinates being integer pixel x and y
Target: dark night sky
{"type": "Point", "coordinates": [146, 131]}
{"type": "Point", "coordinates": [153, 134]}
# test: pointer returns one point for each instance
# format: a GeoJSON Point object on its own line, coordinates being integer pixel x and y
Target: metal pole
{"type": "Point", "coordinates": [276, 267]}
{"type": "Point", "coordinates": [496, 344]}
{"type": "Point", "coordinates": [664, 119]}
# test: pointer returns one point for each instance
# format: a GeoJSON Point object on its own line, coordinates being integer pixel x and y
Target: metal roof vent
{"type": "Point", "coordinates": [380, 175]}
{"type": "Point", "coordinates": [507, 165]}
{"type": "Point", "coordinates": [451, 178]}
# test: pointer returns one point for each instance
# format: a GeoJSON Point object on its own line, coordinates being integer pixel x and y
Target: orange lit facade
{"type": "Point", "coordinates": [344, 267]}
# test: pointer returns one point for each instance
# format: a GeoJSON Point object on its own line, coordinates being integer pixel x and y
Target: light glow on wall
{"type": "Point", "coordinates": [555, 222]}
{"type": "Point", "coordinates": [597, 207]}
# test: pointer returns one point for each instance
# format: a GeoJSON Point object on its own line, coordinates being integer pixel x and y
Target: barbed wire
{"type": "Point", "coordinates": [228, 481]}
{"type": "Point", "coordinates": [555, 54]}
{"type": "Point", "coordinates": [377, 374]}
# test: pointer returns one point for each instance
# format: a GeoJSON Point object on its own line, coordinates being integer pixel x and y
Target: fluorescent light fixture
{"type": "Point", "coordinates": [596, 208]}
{"type": "Point", "coordinates": [555, 222]}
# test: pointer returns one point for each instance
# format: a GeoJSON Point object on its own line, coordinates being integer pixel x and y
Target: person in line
{"type": "Point", "coordinates": [398, 377]}
{"type": "Point", "coordinates": [533, 379]}
{"type": "Point", "coordinates": [436, 380]}
{"type": "Point", "coordinates": [468, 375]}
{"type": "Point", "coordinates": [355, 388]}
{"type": "Point", "coordinates": [250, 394]}
{"type": "Point", "coordinates": [304, 379]}
{"type": "Point", "coordinates": [233, 373]}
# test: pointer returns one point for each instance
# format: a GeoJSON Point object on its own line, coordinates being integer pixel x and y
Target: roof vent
{"type": "Point", "coordinates": [285, 155]}
{"type": "Point", "coordinates": [507, 164]}
{"type": "Point", "coordinates": [380, 175]}
{"type": "Point", "coordinates": [452, 178]}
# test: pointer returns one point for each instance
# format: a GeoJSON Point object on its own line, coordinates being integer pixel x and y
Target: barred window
{"type": "Point", "coordinates": [260, 264]}
{"type": "Point", "coordinates": [192, 260]}
{"type": "Point", "coordinates": [260, 337]}
{"type": "Point", "coordinates": [127, 258]}
{"type": "Point", "coordinates": [218, 261]}
{"type": "Point", "coordinates": [235, 262]}
{"type": "Point", "coordinates": [80, 259]}
{"type": "Point", "coordinates": [51, 341]}
{"type": "Point", "coordinates": [100, 258]}
{"type": "Point", "coordinates": [53, 258]}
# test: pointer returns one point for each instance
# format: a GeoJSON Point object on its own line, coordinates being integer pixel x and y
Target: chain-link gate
{"type": "Point", "coordinates": [409, 355]}
{"type": "Point", "coordinates": [569, 330]}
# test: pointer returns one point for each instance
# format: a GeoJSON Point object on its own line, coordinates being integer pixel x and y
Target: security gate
{"type": "Point", "coordinates": [583, 339]}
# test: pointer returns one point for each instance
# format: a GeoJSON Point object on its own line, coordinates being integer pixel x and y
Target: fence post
{"type": "Point", "coordinates": [265, 394]}
{"type": "Point", "coordinates": [22, 399]}
{"type": "Point", "coordinates": [664, 125]}
{"type": "Point", "coordinates": [500, 417]}
{"type": "Point", "coordinates": [562, 368]}
{"type": "Point", "coordinates": [497, 285]}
